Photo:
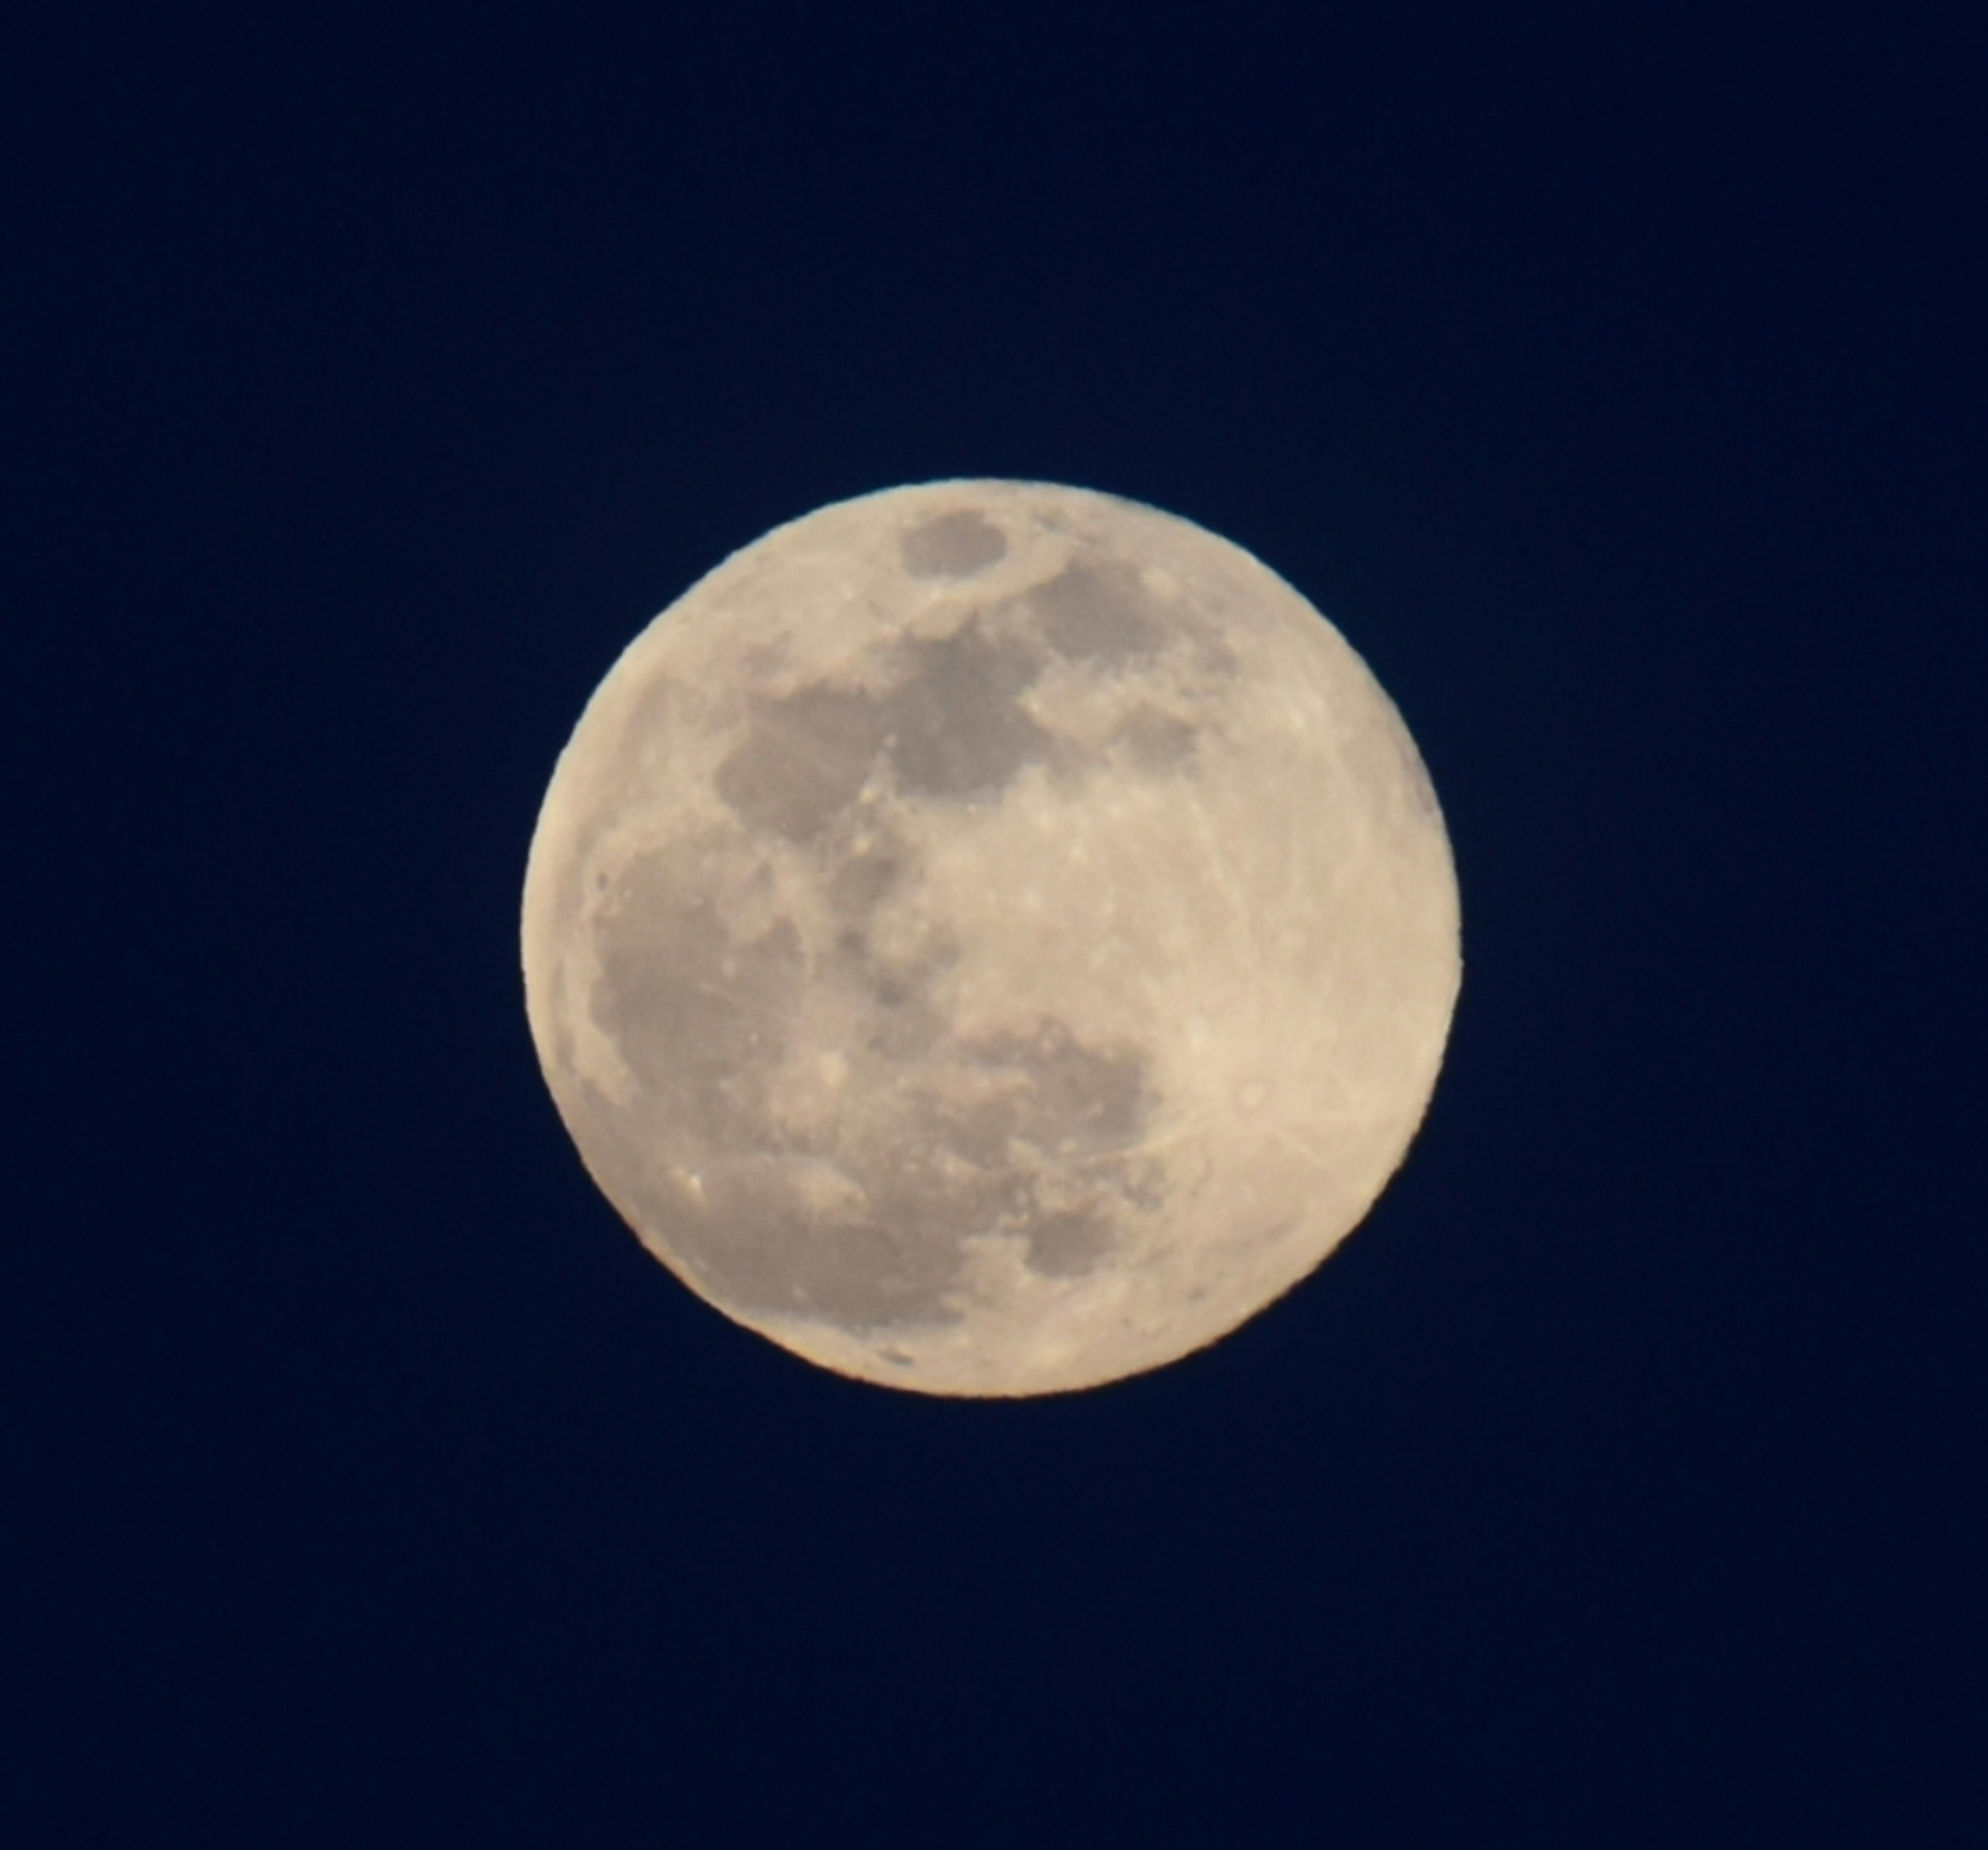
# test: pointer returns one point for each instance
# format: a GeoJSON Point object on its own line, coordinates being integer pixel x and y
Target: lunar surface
{"type": "Point", "coordinates": [991, 938]}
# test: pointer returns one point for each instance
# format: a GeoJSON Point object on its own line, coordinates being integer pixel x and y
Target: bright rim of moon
{"type": "Point", "coordinates": [991, 938]}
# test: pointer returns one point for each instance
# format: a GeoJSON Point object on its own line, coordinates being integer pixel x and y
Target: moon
{"type": "Point", "coordinates": [991, 938]}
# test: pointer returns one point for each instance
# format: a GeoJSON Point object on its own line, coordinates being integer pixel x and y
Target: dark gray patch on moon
{"type": "Point", "coordinates": [1156, 741]}
{"type": "Point", "coordinates": [694, 1013]}
{"type": "Point", "coordinates": [953, 545]}
{"type": "Point", "coordinates": [1075, 1099]}
{"type": "Point", "coordinates": [955, 728]}
{"type": "Point", "coordinates": [952, 728]}
{"type": "Point", "coordinates": [861, 880]}
{"type": "Point", "coordinates": [805, 759]}
{"type": "Point", "coordinates": [1098, 613]}
{"type": "Point", "coordinates": [1067, 1245]}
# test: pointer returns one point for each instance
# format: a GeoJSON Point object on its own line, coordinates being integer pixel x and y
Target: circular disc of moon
{"type": "Point", "coordinates": [991, 938]}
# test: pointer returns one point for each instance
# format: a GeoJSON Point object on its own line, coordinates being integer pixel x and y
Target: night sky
{"type": "Point", "coordinates": [1610, 375]}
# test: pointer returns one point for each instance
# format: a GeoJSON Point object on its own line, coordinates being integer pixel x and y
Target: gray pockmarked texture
{"type": "Point", "coordinates": [990, 937]}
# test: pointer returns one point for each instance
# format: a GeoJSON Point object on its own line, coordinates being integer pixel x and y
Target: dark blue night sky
{"type": "Point", "coordinates": [1610, 375]}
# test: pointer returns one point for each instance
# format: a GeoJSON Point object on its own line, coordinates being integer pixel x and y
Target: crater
{"type": "Point", "coordinates": [953, 545]}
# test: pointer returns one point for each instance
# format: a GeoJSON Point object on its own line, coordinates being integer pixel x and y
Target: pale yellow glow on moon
{"type": "Point", "coordinates": [990, 937]}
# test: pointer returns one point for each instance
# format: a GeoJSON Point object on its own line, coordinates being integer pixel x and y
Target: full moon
{"type": "Point", "coordinates": [991, 938]}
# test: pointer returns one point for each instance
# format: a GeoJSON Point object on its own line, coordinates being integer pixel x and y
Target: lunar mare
{"type": "Point", "coordinates": [991, 938]}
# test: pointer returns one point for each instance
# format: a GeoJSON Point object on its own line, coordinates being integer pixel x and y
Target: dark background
{"type": "Point", "coordinates": [1609, 375]}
